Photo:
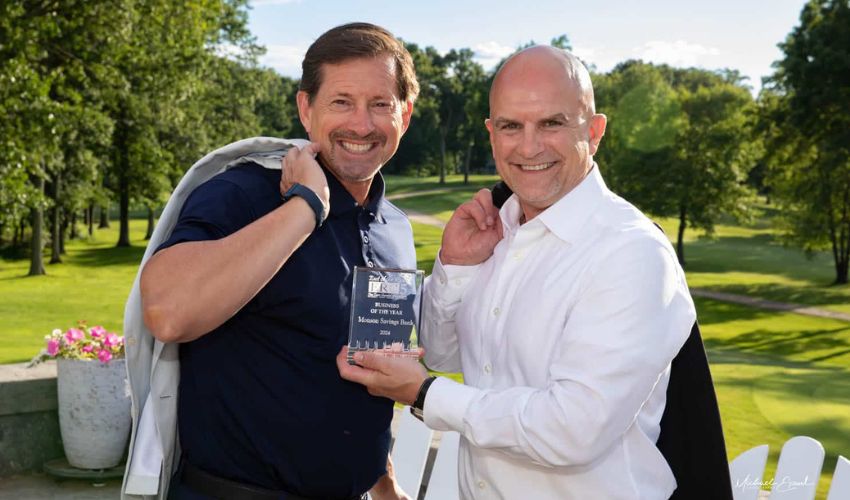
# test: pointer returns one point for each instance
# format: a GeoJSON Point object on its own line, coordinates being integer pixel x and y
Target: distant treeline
{"type": "Point", "coordinates": [109, 102]}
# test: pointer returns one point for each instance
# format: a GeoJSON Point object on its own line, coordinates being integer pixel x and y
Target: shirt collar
{"type": "Point", "coordinates": [567, 216]}
{"type": "Point", "coordinates": [342, 202]}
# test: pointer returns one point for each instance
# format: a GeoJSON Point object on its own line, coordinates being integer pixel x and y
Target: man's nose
{"type": "Point", "coordinates": [361, 121]}
{"type": "Point", "coordinates": [532, 144]}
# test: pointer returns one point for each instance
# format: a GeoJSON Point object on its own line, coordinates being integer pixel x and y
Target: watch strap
{"type": "Point", "coordinates": [312, 200]}
{"type": "Point", "coordinates": [418, 408]}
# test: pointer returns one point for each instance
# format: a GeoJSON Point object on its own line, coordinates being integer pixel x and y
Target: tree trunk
{"type": "Point", "coordinates": [149, 232]}
{"type": "Point", "coordinates": [90, 217]}
{"type": "Point", "coordinates": [18, 239]}
{"type": "Point", "coordinates": [443, 155]}
{"type": "Point", "coordinates": [122, 166]}
{"type": "Point", "coordinates": [73, 222]}
{"type": "Point", "coordinates": [466, 161]}
{"type": "Point", "coordinates": [55, 223]}
{"type": "Point", "coordinates": [124, 213]}
{"type": "Point", "coordinates": [104, 217]}
{"type": "Point", "coordinates": [63, 230]}
{"type": "Point", "coordinates": [36, 241]}
{"type": "Point", "coordinates": [680, 239]}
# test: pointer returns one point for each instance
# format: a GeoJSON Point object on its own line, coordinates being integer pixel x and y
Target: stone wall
{"type": "Point", "coordinates": [29, 423]}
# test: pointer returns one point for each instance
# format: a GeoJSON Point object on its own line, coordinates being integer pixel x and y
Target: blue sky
{"type": "Point", "coordinates": [710, 34]}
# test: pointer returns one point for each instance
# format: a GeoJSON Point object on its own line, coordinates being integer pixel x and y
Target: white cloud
{"type": "Point", "coordinates": [286, 59]}
{"type": "Point", "coordinates": [488, 54]}
{"type": "Point", "coordinates": [679, 53]}
{"type": "Point", "coordinates": [261, 3]}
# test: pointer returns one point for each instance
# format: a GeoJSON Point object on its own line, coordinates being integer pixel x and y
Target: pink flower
{"type": "Point", "coordinates": [88, 348]}
{"type": "Point", "coordinates": [111, 340]}
{"type": "Point", "coordinates": [52, 347]}
{"type": "Point", "coordinates": [104, 356]}
{"type": "Point", "coordinates": [97, 331]}
{"type": "Point", "coordinates": [73, 335]}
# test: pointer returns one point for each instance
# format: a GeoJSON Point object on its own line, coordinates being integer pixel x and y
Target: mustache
{"type": "Point", "coordinates": [373, 136]}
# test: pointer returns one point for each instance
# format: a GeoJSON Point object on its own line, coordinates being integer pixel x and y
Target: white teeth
{"type": "Point", "coordinates": [356, 148]}
{"type": "Point", "coordinates": [541, 166]}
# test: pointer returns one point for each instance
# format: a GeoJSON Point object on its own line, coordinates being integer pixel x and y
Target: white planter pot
{"type": "Point", "coordinates": [94, 411]}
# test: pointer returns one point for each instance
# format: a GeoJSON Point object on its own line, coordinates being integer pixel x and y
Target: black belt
{"type": "Point", "coordinates": [211, 485]}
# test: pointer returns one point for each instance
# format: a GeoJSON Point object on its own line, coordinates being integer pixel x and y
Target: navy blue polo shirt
{"type": "Point", "coordinates": [260, 398]}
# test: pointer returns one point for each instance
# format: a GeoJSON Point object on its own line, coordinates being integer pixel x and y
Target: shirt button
{"type": "Point", "coordinates": [481, 485]}
{"type": "Point", "coordinates": [365, 239]}
{"type": "Point", "coordinates": [370, 264]}
{"type": "Point", "coordinates": [496, 311]}
{"type": "Point", "coordinates": [442, 280]}
{"type": "Point", "coordinates": [518, 256]}
{"type": "Point", "coordinates": [458, 282]}
{"type": "Point", "coordinates": [488, 368]}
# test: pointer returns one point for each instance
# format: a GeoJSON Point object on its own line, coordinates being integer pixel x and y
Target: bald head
{"type": "Point", "coordinates": [550, 63]}
{"type": "Point", "coordinates": [543, 126]}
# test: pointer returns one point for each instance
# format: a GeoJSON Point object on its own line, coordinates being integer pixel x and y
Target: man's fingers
{"type": "Point", "coordinates": [372, 361]}
{"type": "Point", "coordinates": [353, 373]}
{"type": "Point", "coordinates": [485, 198]}
{"type": "Point", "coordinates": [312, 148]}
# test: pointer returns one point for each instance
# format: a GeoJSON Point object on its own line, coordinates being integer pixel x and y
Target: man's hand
{"type": "Point", "coordinates": [300, 166]}
{"type": "Point", "coordinates": [396, 378]}
{"type": "Point", "coordinates": [473, 232]}
{"type": "Point", "coordinates": [387, 488]}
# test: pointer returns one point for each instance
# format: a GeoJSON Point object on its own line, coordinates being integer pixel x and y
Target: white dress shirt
{"type": "Point", "coordinates": [564, 337]}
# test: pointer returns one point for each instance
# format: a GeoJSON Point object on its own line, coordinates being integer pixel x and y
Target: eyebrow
{"type": "Point", "coordinates": [500, 121]}
{"type": "Point", "coordinates": [351, 96]}
{"type": "Point", "coordinates": [557, 116]}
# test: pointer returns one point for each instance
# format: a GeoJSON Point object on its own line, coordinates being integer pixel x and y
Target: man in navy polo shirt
{"type": "Point", "coordinates": [254, 282]}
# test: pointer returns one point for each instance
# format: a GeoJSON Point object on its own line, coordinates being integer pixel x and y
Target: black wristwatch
{"type": "Point", "coordinates": [311, 198]}
{"type": "Point", "coordinates": [418, 408]}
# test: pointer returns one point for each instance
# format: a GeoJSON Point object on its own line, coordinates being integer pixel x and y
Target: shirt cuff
{"type": "Point", "coordinates": [446, 403]}
{"type": "Point", "coordinates": [450, 281]}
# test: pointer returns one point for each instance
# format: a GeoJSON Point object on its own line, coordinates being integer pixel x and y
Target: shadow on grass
{"type": "Point", "coordinates": [791, 388]}
{"type": "Point", "coordinates": [110, 256]}
{"type": "Point", "coordinates": [711, 312]}
{"type": "Point", "coordinates": [807, 295]}
{"type": "Point", "coordinates": [786, 343]}
{"type": "Point", "coordinates": [760, 253]}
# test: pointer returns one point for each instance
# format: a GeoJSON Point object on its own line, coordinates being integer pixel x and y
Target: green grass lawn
{"type": "Point", "coordinates": [777, 374]}
{"type": "Point", "coordinates": [397, 184]}
{"type": "Point", "coordinates": [91, 284]}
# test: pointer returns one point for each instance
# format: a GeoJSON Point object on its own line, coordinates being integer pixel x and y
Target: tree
{"type": "Point", "coordinates": [51, 64]}
{"type": "Point", "coordinates": [677, 143]}
{"type": "Point", "coordinates": [807, 100]}
{"type": "Point", "coordinates": [164, 53]}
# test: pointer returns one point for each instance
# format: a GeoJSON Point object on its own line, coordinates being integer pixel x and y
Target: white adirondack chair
{"type": "Point", "coordinates": [443, 482]}
{"type": "Point", "coordinates": [840, 489]}
{"type": "Point", "coordinates": [410, 452]}
{"type": "Point", "coordinates": [798, 470]}
{"type": "Point", "coordinates": [747, 472]}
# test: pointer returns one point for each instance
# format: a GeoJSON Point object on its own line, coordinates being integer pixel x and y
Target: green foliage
{"type": "Point", "coordinates": [806, 123]}
{"type": "Point", "coordinates": [677, 142]}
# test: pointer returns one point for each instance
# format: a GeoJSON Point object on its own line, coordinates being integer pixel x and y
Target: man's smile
{"type": "Point", "coordinates": [357, 148]}
{"type": "Point", "coordinates": [526, 167]}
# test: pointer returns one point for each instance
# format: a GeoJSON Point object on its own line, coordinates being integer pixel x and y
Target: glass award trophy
{"type": "Point", "coordinates": [385, 311]}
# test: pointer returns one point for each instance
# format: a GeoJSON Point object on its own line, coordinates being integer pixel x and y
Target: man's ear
{"type": "Point", "coordinates": [406, 114]}
{"type": "Point", "coordinates": [596, 130]}
{"type": "Point", "coordinates": [302, 99]}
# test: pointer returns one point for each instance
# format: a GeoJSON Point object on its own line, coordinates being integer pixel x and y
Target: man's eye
{"type": "Point", "coordinates": [339, 103]}
{"type": "Point", "coordinates": [509, 126]}
{"type": "Point", "coordinates": [383, 106]}
{"type": "Point", "coordinates": [553, 123]}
